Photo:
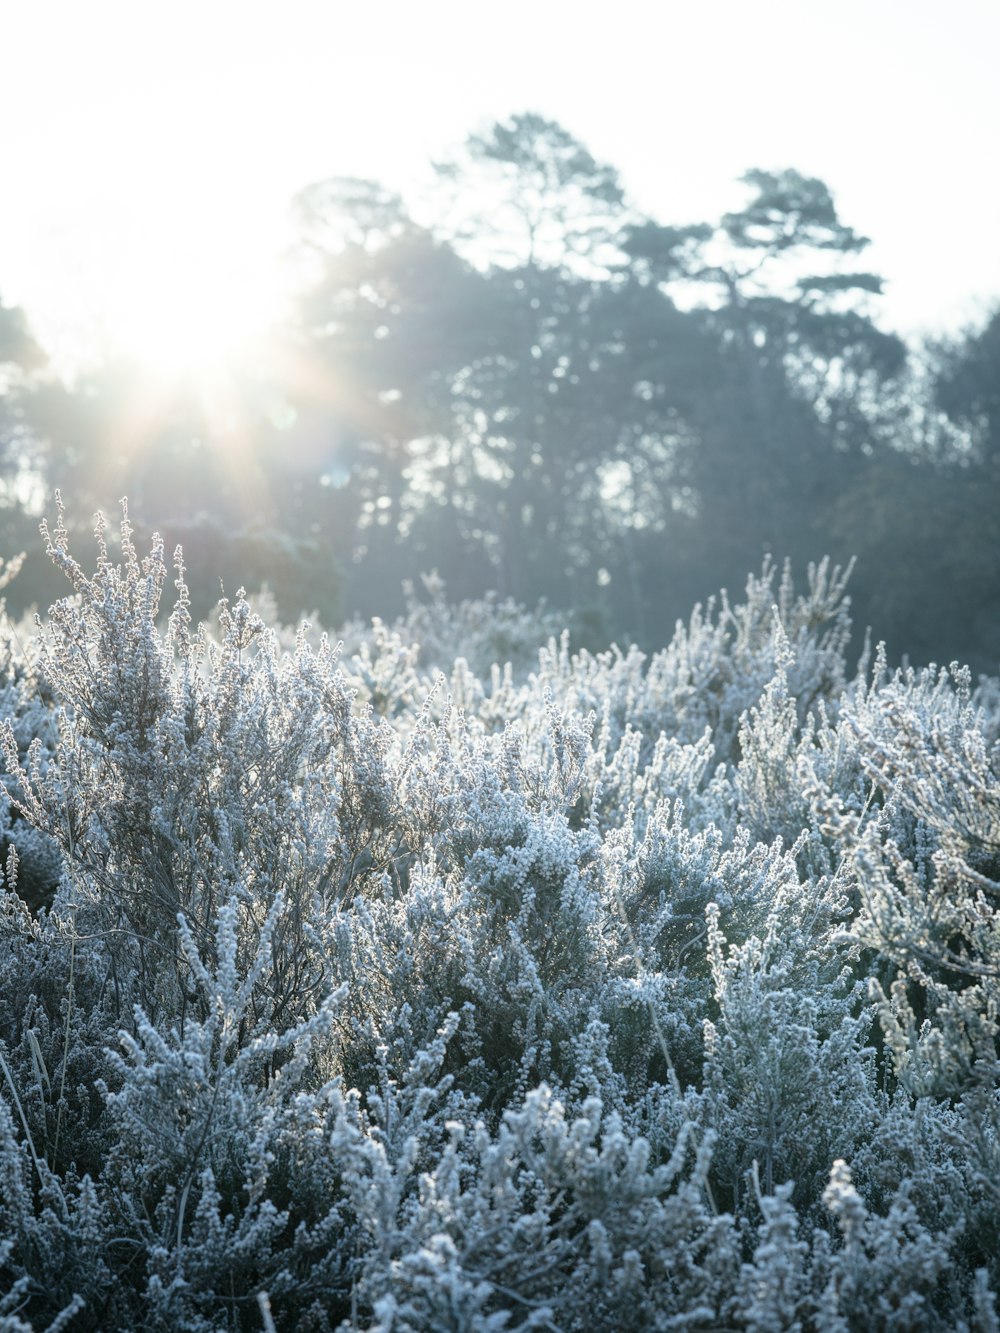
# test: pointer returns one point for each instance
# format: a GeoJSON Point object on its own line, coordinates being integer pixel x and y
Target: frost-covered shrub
{"type": "Point", "coordinates": [481, 631]}
{"type": "Point", "coordinates": [26, 704]}
{"type": "Point", "coordinates": [430, 985]}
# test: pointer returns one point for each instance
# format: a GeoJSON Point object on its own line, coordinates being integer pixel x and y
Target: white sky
{"type": "Point", "coordinates": [143, 140]}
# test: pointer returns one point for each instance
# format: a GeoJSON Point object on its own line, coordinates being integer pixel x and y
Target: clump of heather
{"type": "Point", "coordinates": [433, 983]}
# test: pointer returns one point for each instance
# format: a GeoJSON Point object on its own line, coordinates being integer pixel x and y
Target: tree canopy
{"type": "Point", "coordinates": [529, 386]}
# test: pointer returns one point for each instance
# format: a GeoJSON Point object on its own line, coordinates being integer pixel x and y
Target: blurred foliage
{"type": "Point", "coordinates": [536, 390]}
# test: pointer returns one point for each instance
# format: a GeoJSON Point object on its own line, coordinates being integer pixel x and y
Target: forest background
{"type": "Point", "coordinates": [537, 390]}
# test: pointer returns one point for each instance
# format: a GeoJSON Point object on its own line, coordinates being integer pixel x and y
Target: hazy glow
{"type": "Point", "coordinates": [186, 279]}
{"type": "Point", "coordinates": [152, 149]}
{"type": "Point", "coordinates": [190, 312]}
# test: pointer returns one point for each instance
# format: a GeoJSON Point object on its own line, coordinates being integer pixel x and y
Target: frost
{"type": "Point", "coordinates": [455, 979]}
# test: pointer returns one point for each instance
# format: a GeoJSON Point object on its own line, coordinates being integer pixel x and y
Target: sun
{"type": "Point", "coordinates": [191, 307]}
{"type": "Point", "coordinates": [194, 272]}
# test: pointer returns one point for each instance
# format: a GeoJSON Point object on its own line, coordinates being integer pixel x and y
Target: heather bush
{"type": "Point", "coordinates": [426, 984]}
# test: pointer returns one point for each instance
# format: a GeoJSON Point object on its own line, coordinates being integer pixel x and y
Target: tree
{"type": "Point", "coordinates": [20, 356]}
{"type": "Point", "coordinates": [526, 193]}
{"type": "Point", "coordinates": [799, 362]}
{"type": "Point", "coordinates": [387, 317]}
{"type": "Point", "coordinates": [21, 458]}
{"type": "Point", "coordinates": [545, 414]}
{"type": "Point", "coordinates": [475, 356]}
{"type": "Point", "coordinates": [779, 282]}
{"type": "Point", "coordinates": [966, 386]}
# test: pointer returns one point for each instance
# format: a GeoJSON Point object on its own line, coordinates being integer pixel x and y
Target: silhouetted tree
{"type": "Point", "coordinates": [792, 392]}
{"type": "Point", "coordinates": [967, 389]}
{"type": "Point", "coordinates": [536, 390]}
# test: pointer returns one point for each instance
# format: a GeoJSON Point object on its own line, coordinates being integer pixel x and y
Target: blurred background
{"type": "Point", "coordinates": [600, 310]}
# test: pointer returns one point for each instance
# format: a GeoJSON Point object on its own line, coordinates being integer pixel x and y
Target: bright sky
{"type": "Point", "coordinates": [151, 147]}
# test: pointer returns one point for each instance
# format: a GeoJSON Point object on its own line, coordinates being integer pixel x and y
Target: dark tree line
{"type": "Point", "coordinates": [541, 391]}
